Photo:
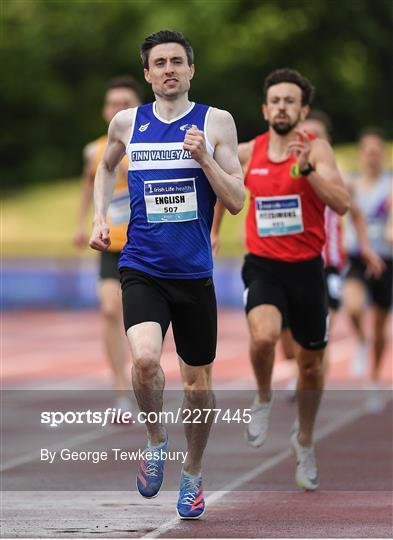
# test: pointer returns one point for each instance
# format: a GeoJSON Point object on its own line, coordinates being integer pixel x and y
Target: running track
{"type": "Point", "coordinates": [62, 350]}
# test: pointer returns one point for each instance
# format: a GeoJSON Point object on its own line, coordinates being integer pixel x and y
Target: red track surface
{"type": "Point", "coordinates": [63, 350]}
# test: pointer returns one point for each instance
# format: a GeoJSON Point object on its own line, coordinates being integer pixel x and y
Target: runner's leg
{"type": "Point", "coordinates": [380, 317]}
{"type": "Point", "coordinates": [148, 378]}
{"type": "Point", "coordinates": [198, 395]}
{"type": "Point", "coordinates": [354, 295]}
{"type": "Point", "coordinates": [309, 391]}
{"type": "Point", "coordinates": [264, 323]}
{"type": "Point", "coordinates": [114, 339]}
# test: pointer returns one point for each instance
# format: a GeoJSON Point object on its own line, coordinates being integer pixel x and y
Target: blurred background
{"type": "Point", "coordinates": [58, 56]}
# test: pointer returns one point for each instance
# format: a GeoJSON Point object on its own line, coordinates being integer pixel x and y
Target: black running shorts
{"type": "Point", "coordinates": [189, 304]}
{"type": "Point", "coordinates": [379, 289]}
{"type": "Point", "coordinates": [298, 290]}
{"type": "Point", "coordinates": [108, 265]}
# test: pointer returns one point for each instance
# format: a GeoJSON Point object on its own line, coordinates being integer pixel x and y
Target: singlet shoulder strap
{"type": "Point", "coordinates": [259, 145]}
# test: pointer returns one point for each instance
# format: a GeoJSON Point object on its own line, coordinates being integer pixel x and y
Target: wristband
{"type": "Point", "coordinates": [308, 170]}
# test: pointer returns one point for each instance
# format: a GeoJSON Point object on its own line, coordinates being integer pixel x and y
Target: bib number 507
{"type": "Point", "coordinates": [170, 209]}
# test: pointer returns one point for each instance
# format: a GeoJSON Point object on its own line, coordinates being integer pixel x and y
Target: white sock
{"type": "Point", "coordinates": [191, 476]}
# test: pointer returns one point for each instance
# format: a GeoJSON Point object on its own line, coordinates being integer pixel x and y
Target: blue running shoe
{"type": "Point", "coordinates": [151, 471]}
{"type": "Point", "coordinates": [191, 503]}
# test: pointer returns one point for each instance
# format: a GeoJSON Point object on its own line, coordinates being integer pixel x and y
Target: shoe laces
{"type": "Point", "coordinates": [190, 490]}
{"type": "Point", "coordinates": [152, 467]}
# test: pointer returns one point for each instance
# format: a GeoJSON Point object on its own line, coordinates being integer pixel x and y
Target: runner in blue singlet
{"type": "Point", "coordinates": [182, 156]}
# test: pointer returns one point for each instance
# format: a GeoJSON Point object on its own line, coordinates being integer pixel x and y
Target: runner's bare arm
{"type": "Point", "coordinates": [80, 238]}
{"type": "Point", "coordinates": [244, 151]}
{"type": "Point", "coordinates": [106, 176]}
{"type": "Point", "coordinates": [223, 171]}
{"type": "Point", "coordinates": [326, 179]}
{"type": "Point", "coordinates": [219, 211]}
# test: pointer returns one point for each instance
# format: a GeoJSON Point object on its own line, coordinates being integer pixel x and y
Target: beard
{"type": "Point", "coordinates": [283, 128]}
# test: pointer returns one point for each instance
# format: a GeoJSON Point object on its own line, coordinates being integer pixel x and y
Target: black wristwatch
{"type": "Point", "coordinates": [308, 170]}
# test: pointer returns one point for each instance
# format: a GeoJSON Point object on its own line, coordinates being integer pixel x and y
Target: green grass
{"type": "Point", "coordinates": [40, 221]}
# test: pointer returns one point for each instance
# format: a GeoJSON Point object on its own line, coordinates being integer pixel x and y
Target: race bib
{"type": "Point", "coordinates": [171, 200]}
{"type": "Point", "coordinates": [276, 216]}
{"type": "Point", "coordinates": [119, 208]}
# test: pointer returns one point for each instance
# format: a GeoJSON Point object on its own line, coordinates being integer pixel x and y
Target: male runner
{"type": "Point", "coordinates": [166, 265]}
{"type": "Point", "coordinates": [318, 123]}
{"type": "Point", "coordinates": [372, 191]}
{"type": "Point", "coordinates": [291, 176]}
{"type": "Point", "coordinates": [121, 93]}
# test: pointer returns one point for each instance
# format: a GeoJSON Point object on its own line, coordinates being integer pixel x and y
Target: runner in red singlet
{"type": "Point", "coordinates": [318, 123]}
{"type": "Point", "coordinates": [291, 177]}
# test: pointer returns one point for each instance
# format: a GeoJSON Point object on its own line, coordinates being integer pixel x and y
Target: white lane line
{"type": "Point", "coordinates": [321, 433]}
{"type": "Point", "coordinates": [100, 433]}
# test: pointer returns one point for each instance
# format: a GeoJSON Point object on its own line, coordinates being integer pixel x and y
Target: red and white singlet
{"type": "Point", "coordinates": [285, 219]}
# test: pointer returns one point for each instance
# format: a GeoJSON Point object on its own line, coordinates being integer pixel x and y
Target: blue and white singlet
{"type": "Point", "coordinates": [375, 205]}
{"type": "Point", "coordinates": [172, 202]}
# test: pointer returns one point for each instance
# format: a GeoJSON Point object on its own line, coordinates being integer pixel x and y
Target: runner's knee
{"type": "Point", "coordinates": [111, 315]}
{"type": "Point", "coordinates": [354, 300]}
{"type": "Point", "coordinates": [146, 364]}
{"type": "Point", "coordinates": [265, 342]}
{"type": "Point", "coordinates": [197, 394]}
{"type": "Point", "coordinates": [196, 379]}
{"type": "Point", "coordinates": [111, 310]}
{"type": "Point", "coordinates": [312, 367]}
{"type": "Point", "coordinates": [354, 309]}
{"type": "Point", "coordinates": [196, 384]}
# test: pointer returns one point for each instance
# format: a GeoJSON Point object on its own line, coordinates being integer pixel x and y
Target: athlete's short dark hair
{"type": "Point", "coordinates": [287, 75]}
{"type": "Point", "coordinates": [165, 36]}
{"type": "Point", "coordinates": [372, 130]}
{"type": "Point", "coordinates": [316, 114]}
{"type": "Point", "coordinates": [125, 81]}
